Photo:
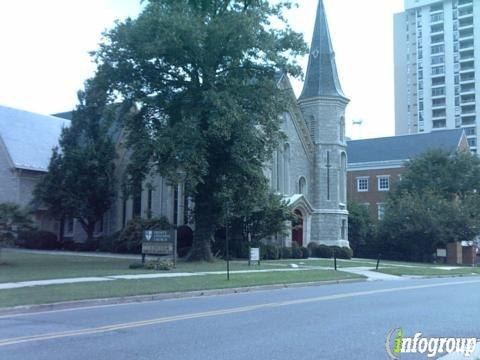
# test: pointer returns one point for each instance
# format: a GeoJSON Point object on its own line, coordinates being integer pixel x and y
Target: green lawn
{"type": "Point", "coordinates": [429, 271]}
{"type": "Point", "coordinates": [119, 288]}
{"type": "Point", "coordinates": [18, 266]}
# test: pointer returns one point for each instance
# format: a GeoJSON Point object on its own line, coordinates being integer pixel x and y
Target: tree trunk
{"type": "Point", "coordinates": [88, 227]}
{"type": "Point", "coordinates": [205, 226]}
{"type": "Point", "coordinates": [61, 229]}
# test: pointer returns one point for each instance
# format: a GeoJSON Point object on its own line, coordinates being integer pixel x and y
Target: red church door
{"type": "Point", "coordinates": [297, 228]}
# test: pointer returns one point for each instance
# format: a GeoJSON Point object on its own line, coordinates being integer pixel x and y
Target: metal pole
{"type": "Point", "coordinates": [378, 261]}
{"type": "Point", "coordinates": [335, 259]}
{"type": "Point", "coordinates": [226, 243]}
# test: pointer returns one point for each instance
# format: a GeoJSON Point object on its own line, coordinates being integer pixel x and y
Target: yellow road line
{"type": "Point", "coordinates": [169, 319]}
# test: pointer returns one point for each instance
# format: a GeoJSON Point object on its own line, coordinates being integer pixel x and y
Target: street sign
{"type": "Point", "coordinates": [159, 243]}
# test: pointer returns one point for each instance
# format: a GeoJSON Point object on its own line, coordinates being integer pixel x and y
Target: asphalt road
{"type": "Point", "coordinates": [345, 321]}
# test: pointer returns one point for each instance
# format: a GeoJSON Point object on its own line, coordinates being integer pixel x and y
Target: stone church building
{"type": "Point", "coordinates": [309, 169]}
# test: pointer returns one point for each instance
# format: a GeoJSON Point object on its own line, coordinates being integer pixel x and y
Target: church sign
{"type": "Point", "coordinates": [254, 256]}
{"type": "Point", "coordinates": [159, 243]}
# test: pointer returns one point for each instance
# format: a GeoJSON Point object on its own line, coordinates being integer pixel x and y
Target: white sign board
{"type": "Point", "coordinates": [254, 254]}
{"type": "Point", "coordinates": [442, 252]}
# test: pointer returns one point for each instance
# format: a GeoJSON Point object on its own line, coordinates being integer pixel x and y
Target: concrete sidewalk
{"type": "Point", "coordinates": [23, 284]}
{"type": "Point", "coordinates": [372, 275]}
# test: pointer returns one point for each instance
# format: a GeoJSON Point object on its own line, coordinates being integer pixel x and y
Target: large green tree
{"type": "Point", "coordinates": [435, 203]}
{"type": "Point", "coordinates": [201, 76]}
{"type": "Point", "coordinates": [361, 228]}
{"type": "Point", "coordinates": [80, 182]}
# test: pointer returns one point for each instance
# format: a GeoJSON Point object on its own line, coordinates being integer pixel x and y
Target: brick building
{"type": "Point", "coordinates": [375, 165]}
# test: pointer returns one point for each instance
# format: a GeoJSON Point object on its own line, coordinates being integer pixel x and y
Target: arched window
{"type": "Point", "coordinates": [302, 186]}
{"type": "Point", "coordinates": [286, 169]}
{"type": "Point", "coordinates": [280, 164]}
{"type": "Point", "coordinates": [343, 179]}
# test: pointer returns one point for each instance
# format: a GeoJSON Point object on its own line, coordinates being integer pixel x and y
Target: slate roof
{"type": "Point", "coordinates": [29, 138]}
{"type": "Point", "coordinates": [402, 147]}
{"type": "Point", "coordinates": [322, 76]}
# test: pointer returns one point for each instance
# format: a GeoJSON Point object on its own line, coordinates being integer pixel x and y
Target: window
{"type": "Point", "coordinates": [381, 211]}
{"type": "Point", "coordinates": [70, 225]}
{"type": "Point", "coordinates": [438, 91]}
{"type": "Point", "coordinates": [383, 183]}
{"type": "Point", "coordinates": [302, 186]}
{"type": "Point", "coordinates": [470, 131]}
{"type": "Point", "coordinates": [99, 227]}
{"type": "Point", "coordinates": [437, 49]}
{"type": "Point", "coordinates": [366, 206]}
{"type": "Point", "coordinates": [175, 205]}
{"type": "Point", "coordinates": [362, 184]}
{"type": "Point", "coordinates": [149, 203]}
{"type": "Point", "coordinates": [438, 59]}
{"type": "Point", "coordinates": [124, 213]}
{"type": "Point", "coordinates": [344, 230]}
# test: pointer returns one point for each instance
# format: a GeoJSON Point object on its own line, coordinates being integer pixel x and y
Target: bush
{"type": "Point", "coordinates": [343, 252]}
{"type": "Point", "coordinates": [39, 240]}
{"type": "Point", "coordinates": [296, 251]}
{"type": "Point", "coordinates": [106, 243]}
{"type": "Point", "coordinates": [305, 252]}
{"type": "Point", "coordinates": [269, 252]}
{"type": "Point", "coordinates": [312, 248]}
{"type": "Point", "coordinates": [323, 251]}
{"type": "Point", "coordinates": [87, 245]}
{"type": "Point", "coordinates": [130, 239]}
{"type": "Point", "coordinates": [158, 265]}
{"type": "Point", "coordinates": [286, 252]}
{"type": "Point", "coordinates": [136, 266]}
{"type": "Point", "coordinates": [7, 239]}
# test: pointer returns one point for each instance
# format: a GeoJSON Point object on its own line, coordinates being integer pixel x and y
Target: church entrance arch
{"type": "Point", "coordinates": [297, 228]}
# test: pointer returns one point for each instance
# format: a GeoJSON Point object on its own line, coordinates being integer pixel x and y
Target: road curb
{"type": "Point", "coordinates": [26, 309]}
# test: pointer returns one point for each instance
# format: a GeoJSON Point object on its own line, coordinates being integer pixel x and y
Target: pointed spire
{"type": "Point", "coordinates": [322, 76]}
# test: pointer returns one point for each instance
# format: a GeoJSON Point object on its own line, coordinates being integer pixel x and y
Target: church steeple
{"type": "Point", "coordinates": [322, 76]}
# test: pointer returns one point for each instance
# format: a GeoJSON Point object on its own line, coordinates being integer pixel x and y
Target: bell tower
{"type": "Point", "coordinates": [323, 104]}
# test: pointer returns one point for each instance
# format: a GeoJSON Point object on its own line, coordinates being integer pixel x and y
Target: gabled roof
{"type": "Point", "coordinates": [29, 138]}
{"type": "Point", "coordinates": [403, 147]}
{"type": "Point", "coordinates": [322, 77]}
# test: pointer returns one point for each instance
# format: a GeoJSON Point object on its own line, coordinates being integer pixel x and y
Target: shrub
{"type": "Point", "coordinates": [323, 251]}
{"type": "Point", "coordinates": [286, 252]}
{"type": "Point", "coordinates": [296, 251]}
{"type": "Point", "coordinates": [87, 245]}
{"type": "Point", "coordinates": [158, 265]}
{"type": "Point", "coordinates": [343, 252]}
{"type": "Point", "coordinates": [136, 266]}
{"type": "Point", "coordinates": [40, 240]}
{"type": "Point", "coordinates": [305, 252]}
{"type": "Point", "coordinates": [269, 252]}
{"type": "Point", "coordinates": [312, 248]}
{"type": "Point", "coordinates": [106, 243]}
{"type": "Point", "coordinates": [130, 239]}
{"type": "Point", "coordinates": [7, 239]}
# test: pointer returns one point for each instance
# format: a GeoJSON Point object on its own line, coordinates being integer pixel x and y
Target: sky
{"type": "Point", "coordinates": [45, 47]}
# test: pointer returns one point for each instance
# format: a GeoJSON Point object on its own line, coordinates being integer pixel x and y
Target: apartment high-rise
{"type": "Point", "coordinates": [437, 73]}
